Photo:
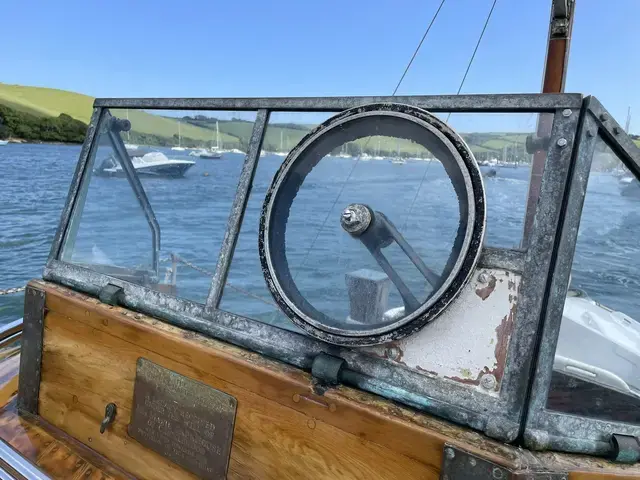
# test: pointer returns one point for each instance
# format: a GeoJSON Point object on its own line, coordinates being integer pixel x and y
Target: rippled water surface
{"type": "Point", "coordinates": [193, 214]}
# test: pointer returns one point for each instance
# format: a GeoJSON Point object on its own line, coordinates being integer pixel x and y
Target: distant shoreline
{"type": "Point", "coordinates": [22, 141]}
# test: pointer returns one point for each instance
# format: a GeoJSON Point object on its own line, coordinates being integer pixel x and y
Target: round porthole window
{"type": "Point", "coordinates": [372, 224]}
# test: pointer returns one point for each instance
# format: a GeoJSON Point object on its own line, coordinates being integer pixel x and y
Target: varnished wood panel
{"type": "Point", "coordinates": [79, 378]}
{"type": "Point", "coordinates": [54, 456]}
{"type": "Point", "coordinates": [283, 428]}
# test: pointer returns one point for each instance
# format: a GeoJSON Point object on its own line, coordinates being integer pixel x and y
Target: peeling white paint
{"type": "Point", "coordinates": [462, 341]}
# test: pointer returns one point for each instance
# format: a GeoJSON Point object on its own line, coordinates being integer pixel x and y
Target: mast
{"type": "Point", "coordinates": [217, 136]}
{"type": "Point", "coordinates": [555, 74]}
{"type": "Point", "coordinates": [179, 135]}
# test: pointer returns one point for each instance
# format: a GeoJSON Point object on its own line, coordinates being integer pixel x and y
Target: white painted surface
{"type": "Point", "coordinates": [461, 342]}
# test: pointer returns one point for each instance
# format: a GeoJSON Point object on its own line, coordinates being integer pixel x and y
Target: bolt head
{"type": "Point", "coordinates": [604, 117]}
{"type": "Point", "coordinates": [498, 473]}
{"type": "Point", "coordinates": [450, 454]}
{"type": "Point", "coordinates": [472, 462]}
{"type": "Point", "coordinates": [562, 142]}
{"type": "Point", "coordinates": [566, 112]}
{"type": "Point", "coordinates": [590, 133]}
{"type": "Point", "coordinates": [616, 130]}
{"type": "Point", "coordinates": [488, 382]}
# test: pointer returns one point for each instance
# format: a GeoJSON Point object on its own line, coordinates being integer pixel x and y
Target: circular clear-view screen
{"type": "Point", "coordinates": [372, 224]}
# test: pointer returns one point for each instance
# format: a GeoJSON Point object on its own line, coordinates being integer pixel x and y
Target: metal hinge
{"type": "Point", "coordinates": [111, 294]}
{"type": "Point", "coordinates": [461, 465]}
{"type": "Point", "coordinates": [327, 368]}
{"type": "Point", "coordinates": [624, 448]}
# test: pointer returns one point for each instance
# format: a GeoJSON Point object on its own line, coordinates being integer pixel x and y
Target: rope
{"type": "Point", "coordinates": [10, 291]}
{"type": "Point", "coordinates": [415, 53]}
{"type": "Point", "coordinates": [473, 56]}
{"type": "Point", "coordinates": [197, 268]}
{"type": "Point", "coordinates": [475, 50]}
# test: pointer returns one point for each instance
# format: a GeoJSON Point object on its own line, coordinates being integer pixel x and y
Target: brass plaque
{"type": "Point", "coordinates": [186, 421]}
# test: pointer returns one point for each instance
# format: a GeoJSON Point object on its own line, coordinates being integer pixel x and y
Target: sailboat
{"type": "Point", "coordinates": [398, 159]}
{"type": "Point", "coordinates": [214, 153]}
{"type": "Point", "coordinates": [281, 152]}
{"type": "Point", "coordinates": [377, 155]}
{"type": "Point", "coordinates": [179, 148]}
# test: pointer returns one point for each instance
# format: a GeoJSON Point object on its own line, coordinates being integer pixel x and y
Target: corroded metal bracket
{"type": "Point", "coordinates": [328, 368]}
{"type": "Point", "coordinates": [31, 350]}
{"type": "Point", "coordinates": [111, 294]}
{"type": "Point", "coordinates": [460, 465]}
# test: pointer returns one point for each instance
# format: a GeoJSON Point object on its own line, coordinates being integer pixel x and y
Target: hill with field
{"type": "Point", "coordinates": [46, 114]}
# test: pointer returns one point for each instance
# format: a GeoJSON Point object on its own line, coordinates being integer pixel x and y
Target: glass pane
{"type": "Point", "coordinates": [246, 292]}
{"type": "Point", "coordinates": [400, 174]}
{"type": "Point", "coordinates": [415, 206]}
{"type": "Point", "coordinates": [597, 365]}
{"type": "Point", "coordinates": [188, 164]}
{"type": "Point", "coordinates": [498, 141]}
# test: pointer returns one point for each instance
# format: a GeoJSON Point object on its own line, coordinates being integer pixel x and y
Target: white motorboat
{"type": "Point", "coordinates": [155, 164]}
{"type": "Point", "coordinates": [589, 327]}
{"type": "Point", "coordinates": [629, 187]}
{"type": "Point", "coordinates": [4, 142]}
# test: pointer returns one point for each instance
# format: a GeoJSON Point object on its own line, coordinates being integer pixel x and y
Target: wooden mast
{"type": "Point", "coordinates": [555, 73]}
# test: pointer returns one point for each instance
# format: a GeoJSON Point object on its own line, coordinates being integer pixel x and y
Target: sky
{"type": "Point", "coordinates": [207, 48]}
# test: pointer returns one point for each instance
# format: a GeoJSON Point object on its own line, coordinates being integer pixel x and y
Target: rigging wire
{"type": "Point", "coordinates": [464, 78]}
{"type": "Point", "coordinates": [475, 50]}
{"type": "Point", "coordinates": [415, 53]}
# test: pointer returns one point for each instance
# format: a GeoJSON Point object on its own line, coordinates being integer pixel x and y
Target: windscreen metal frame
{"type": "Point", "coordinates": [548, 429]}
{"type": "Point", "coordinates": [498, 416]}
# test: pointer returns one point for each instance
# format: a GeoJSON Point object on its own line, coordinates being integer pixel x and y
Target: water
{"type": "Point", "coordinates": [193, 214]}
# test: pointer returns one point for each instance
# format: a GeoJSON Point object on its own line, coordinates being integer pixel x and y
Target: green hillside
{"type": "Point", "coordinates": [49, 102]}
{"type": "Point", "coordinates": [198, 130]}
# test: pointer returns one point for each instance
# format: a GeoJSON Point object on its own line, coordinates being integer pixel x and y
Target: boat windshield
{"type": "Point", "coordinates": [597, 363]}
{"type": "Point", "coordinates": [168, 204]}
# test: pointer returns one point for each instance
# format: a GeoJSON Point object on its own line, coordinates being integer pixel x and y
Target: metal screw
{"type": "Point", "coordinates": [498, 473]}
{"type": "Point", "coordinates": [483, 278]}
{"type": "Point", "coordinates": [616, 130]}
{"type": "Point", "coordinates": [604, 117]}
{"type": "Point", "coordinates": [472, 462]}
{"type": "Point", "coordinates": [450, 453]}
{"type": "Point", "coordinates": [562, 142]}
{"type": "Point", "coordinates": [566, 112]}
{"type": "Point", "coordinates": [347, 214]}
{"type": "Point", "coordinates": [488, 382]}
{"type": "Point", "coordinates": [393, 353]}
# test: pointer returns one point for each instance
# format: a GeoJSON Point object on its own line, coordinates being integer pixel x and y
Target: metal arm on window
{"type": "Point", "coordinates": [114, 127]}
{"type": "Point", "coordinates": [376, 232]}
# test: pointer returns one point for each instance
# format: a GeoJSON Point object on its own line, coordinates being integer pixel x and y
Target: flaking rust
{"type": "Point", "coordinates": [470, 339]}
{"type": "Point", "coordinates": [485, 292]}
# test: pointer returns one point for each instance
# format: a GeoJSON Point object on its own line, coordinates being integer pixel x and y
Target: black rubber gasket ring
{"type": "Point", "coordinates": [281, 199]}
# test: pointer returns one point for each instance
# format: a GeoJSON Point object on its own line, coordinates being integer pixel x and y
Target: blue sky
{"type": "Point", "coordinates": [348, 47]}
